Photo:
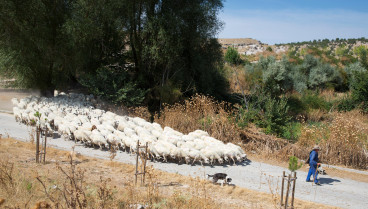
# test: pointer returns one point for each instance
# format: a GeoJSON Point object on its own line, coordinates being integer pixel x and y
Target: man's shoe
{"type": "Point", "coordinates": [308, 181]}
{"type": "Point", "coordinates": [319, 184]}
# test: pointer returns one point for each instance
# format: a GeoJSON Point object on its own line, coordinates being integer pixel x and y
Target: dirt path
{"type": "Point", "coordinates": [7, 94]}
{"type": "Point", "coordinates": [253, 175]}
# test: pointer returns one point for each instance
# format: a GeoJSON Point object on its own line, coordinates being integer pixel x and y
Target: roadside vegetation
{"type": "Point", "coordinates": [71, 180]}
{"type": "Point", "coordinates": [165, 64]}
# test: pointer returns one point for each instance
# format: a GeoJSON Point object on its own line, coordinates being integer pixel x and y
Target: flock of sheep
{"type": "Point", "coordinates": [74, 117]}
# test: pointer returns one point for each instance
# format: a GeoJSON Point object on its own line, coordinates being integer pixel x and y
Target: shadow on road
{"type": "Point", "coordinates": [328, 181]}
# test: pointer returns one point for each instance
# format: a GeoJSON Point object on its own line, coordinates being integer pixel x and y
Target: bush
{"type": "Point", "coordinates": [351, 69]}
{"type": "Point", "coordinates": [359, 89]}
{"type": "Point", "coordinates": [275, 77]}
{"type": "Point", "coordinates": [311, 100]}
{"type": "Point", "coordinates": [292, 131]}
{"type": "Point", "coordinates": [299, 80]}
{"type": "Point", "coordinates": [114, 85]}
{"type": "Point", "coordinates": [232, 56]}
{"type": "Point", "coordinates": [322, 76]}
{"type": "Point", "coordinates": [293, 164]}
{"type": "Point", "coordinates": [276, 116]}
{"type": "Point", "coordinates": [346, 104]}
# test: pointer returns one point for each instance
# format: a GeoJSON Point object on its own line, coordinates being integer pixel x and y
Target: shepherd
{"type": "Point", "coordinates": [313, 163]}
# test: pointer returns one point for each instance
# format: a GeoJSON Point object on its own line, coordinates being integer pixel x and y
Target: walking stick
{"type": "Point", "coordinates": [315, 173]}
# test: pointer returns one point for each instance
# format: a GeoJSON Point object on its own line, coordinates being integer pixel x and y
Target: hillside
{"type": "Point", "coordinates": [337, 47]}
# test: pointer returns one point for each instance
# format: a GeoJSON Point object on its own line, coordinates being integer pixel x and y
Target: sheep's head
{"type": "Point", "coordinates": [244, 156]}
{"type": "Point", "coordinates": [221, 161]}
{"type": "Point", "coordinates": [116, 124]}
{"type": "Point", "coordinates": [226, 158]}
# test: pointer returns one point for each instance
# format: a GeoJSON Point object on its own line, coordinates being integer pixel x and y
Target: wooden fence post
{"type": "Point", "coordinates": [136, 163]}
{"type": "Point", "coordinates": [142, 170]}
{"type": "Point", "coordinates": [44, 147]}
{"type": "Point", "coordinates": [282, 188]}
{"type": "Point", "coordinates": [292, 194]}
{"type": "Point", "coordinates": [145, 162]}
{"type": "Point", "coordinates": [37, 144]}
{"type": "Point", "coordinates": [287, 192]}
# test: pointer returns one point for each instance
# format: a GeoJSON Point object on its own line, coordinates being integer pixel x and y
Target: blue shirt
{"type": "Point", "coordinates": [313, 158]}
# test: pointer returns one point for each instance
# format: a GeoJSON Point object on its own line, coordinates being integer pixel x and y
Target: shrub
{"type": "Point", "coordinates": [299, 80]}
{"type": "Point", "coordinates": [247, 115]}
{"type": "Point", "coordinates": [359, 89]}
{"type": "Point", "coordinates": [352, 68]}
{"type": "Point", "coordinates": [323, 75]}
{"type": "Point", "coordinates": [309, 62]}
{"type": "Point", "coordinates": [346, 104]}
{"type": "Point", "coordinates": [276, 79]}
{"type": "Point", "coordinates": [293, 164]}
{"type": "Point", "coordinates": [276, 115]}
{"type": "Point", "coordinates": [292, 131]}
{"type": "Point", "coordinates": [311, 100]}
{"type": "Point", "coordinates": [114, 85]}
{"type": "Point", "coordinates": [232, 56]}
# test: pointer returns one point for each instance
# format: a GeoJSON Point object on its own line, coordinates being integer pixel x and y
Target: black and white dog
{"type": "Point", "coordinates": [222, 177]}
{"type": "Point", "coordinates": [320, 170]}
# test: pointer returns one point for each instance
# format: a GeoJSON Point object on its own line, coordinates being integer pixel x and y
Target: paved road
{"type": "Point", "coordinates": [253, 175]}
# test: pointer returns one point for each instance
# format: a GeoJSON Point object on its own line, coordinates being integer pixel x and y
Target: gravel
{"type": "Point", "coordinates": [253, 175]}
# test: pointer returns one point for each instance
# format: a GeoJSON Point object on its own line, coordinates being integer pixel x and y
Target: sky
{"type": "Point", "coordinates": [285, 21]}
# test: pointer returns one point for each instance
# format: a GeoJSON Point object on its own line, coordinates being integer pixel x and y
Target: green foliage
{"type": "Point", "coordinates": [232, 56]}
{"type": "Point", "coordinates": [362, 53]}
{"type": "Point", "coordinates": [267, 112]}
{"type": "Point", "coordinates": [351, 69]}
{"type": "Point", "coordinates": [32, 46]}
{"type": "Point", "coordinates": [292, 131]}
{"type": "Point", "coordinates": [269, 49]}
{"type": "Point", "coordinates": [275, 117]}
{"type": "Point", "coordinates": [53, 44]}
{"type": "Point", "coordinates": [96, 33]}
{"type": "Point", "coordinates": [293, 164]}
{"type": "Point", "coordinates": [276, 78]}
{"type": "Point", "coordinates": [359, 89]}
{"type": "Point", "coordinates": [342, 50]}
{"type": "Point", "coordinates": [299, 80]}
{"type": "Point", "coordinates": [311, 100]}
{"type": "Point", "coordinates": [114, 85]}
{"type": "Point", "coordinates": [246, 116]}
{"type": "Point", "coordinates": [346, 104]}
{"type": "Point", "coordinates": [169, 93]}
{"type": "Point", "coordinates": [284, 76]}
{"type": "Point", "coordinates": [322, 76]}
{"type": "Point", "coordinates": [177, 45]}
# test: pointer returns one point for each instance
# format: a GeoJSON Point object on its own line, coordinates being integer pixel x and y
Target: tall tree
{"type": "Point", "coordinates": [32, 47]}
{"type": "Point", "coordinates": [173, 45]}
{"type": "Point", "coordinates": [166, 46]}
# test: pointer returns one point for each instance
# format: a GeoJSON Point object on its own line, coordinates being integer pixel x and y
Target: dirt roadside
{"type": "Point", "coordinates": [122, 175]}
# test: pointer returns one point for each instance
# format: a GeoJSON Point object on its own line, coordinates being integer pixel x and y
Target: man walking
{"type": "Point", "coordinates": [313, 163]}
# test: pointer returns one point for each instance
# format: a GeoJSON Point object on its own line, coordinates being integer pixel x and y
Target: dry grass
{"type": "Point", "coordinates": [344, 141]}
{"type": "Point", "coordinates": [342, 136]}
{"type": "Point", "coordinates": [69, 180]}
{"type": "Point", "coordinates": [201, 112]}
